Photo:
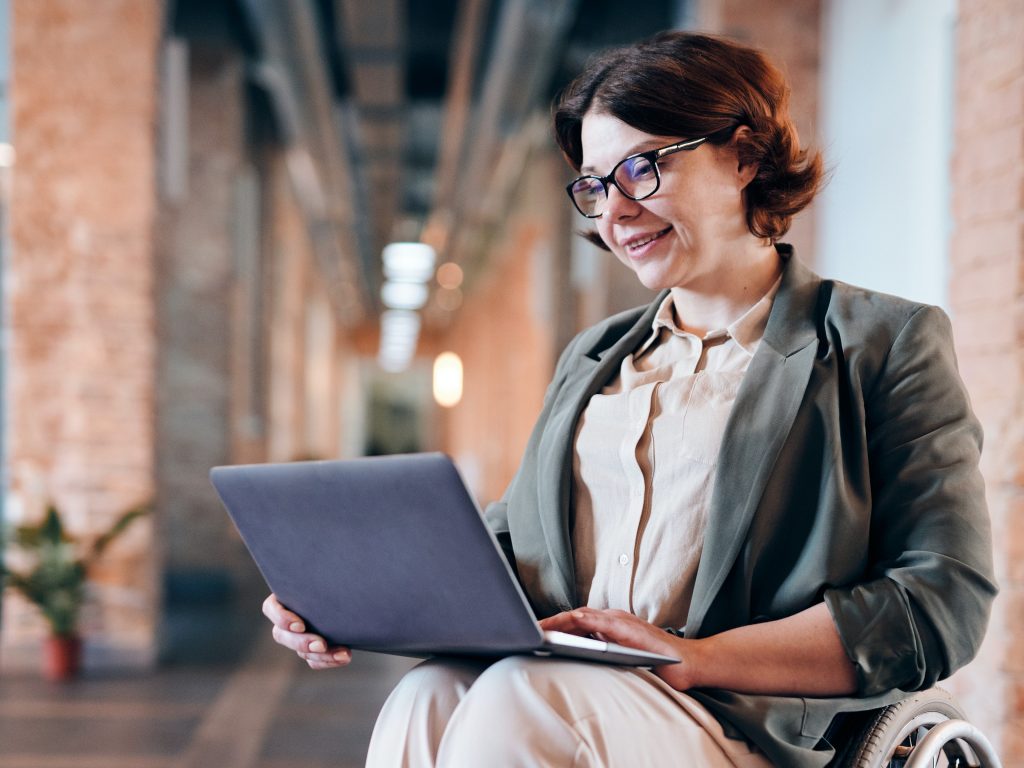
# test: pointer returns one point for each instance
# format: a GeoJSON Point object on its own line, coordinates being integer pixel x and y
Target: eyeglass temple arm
{"type": "Point", "coordinates": [681, 146]}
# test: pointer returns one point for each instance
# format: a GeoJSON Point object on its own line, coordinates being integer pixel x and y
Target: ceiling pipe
{"type": "Point", "coordinates": [469, 26]}
{"type": "Point", "coordinates": [291, 71]}
{"type": "Point", "coordinates": [530, 35]}
{"type": "Point", "coordinates": [372, 40]}
{"type": "Point", "coordinates": [350, 253]}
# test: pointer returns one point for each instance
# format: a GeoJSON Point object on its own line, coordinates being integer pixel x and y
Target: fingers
{"type": "Point", "coordinates": [590, 621]}
{"type": "Point", "coordinates": [289, 631]}
{"type": "Point", "coordinates": [281, 616]}
{"type": "Point", "coordinates": [329, 659]}
{"type": "Point", "coordinates": [560, 622]}
{"type": "Point", "coordinates": [582, 621]}
{"type": "Point", "coordinates": [312, 648]}
{"type": "Point", "coordinates": [610, 625]}
{"type": "Point", "coordinates": [314, 664]}
{"type": "Point", "coordinates": [623, 628]}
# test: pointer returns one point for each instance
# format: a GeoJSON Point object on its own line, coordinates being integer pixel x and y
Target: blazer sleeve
{"type": "Point", "coordinates": [921, 613]}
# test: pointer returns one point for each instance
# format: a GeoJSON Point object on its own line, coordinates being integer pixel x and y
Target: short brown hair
{"type": "Point", "coordinates": [692, 85]}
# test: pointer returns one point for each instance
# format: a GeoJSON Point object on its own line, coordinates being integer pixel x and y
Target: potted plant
{"type": "Point", "coordinates": [55, 582]}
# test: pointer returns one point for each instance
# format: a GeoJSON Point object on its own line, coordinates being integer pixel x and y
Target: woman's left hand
{"type": "Point", "coordinates": [624, 628]}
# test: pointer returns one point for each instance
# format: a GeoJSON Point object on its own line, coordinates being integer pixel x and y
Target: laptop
{"type": "Point", "coordinates": [391, 554]}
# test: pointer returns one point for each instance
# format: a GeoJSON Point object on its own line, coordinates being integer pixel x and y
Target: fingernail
{"type": "Point", "coordinates": [317, 646]}
{"type": "Point", "coordinates": [296, 626]}
{"type": "Point", "coordinates": [341, 655]}
{"type": "Point", "coordinates": [577, 614]}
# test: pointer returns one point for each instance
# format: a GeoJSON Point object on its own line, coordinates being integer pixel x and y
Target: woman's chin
{"type": "Point", "coordinates": [653, 279]}
{"type": "Point", "coordinates": [656, 270]}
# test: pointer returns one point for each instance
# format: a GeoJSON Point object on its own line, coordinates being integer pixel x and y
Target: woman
{"type": "Point", "coordinates": [770, 476]}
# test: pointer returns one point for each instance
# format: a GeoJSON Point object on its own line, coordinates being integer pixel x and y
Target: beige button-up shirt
{"type": "Point", "coordinates": [644, 465]}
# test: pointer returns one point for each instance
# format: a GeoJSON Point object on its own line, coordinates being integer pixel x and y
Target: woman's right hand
{"type": "Point", "coordinates": [290, 631]}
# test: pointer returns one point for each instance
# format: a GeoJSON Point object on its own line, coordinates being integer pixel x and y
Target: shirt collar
{"type": "Point", "coordinates": [746, 330]}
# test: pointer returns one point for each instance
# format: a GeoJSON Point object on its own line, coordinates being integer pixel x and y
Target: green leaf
{"type": "Point", "coordinates": [28, 587]}
{"type": "Point", "coordinates": [116, 530]}
{"type": "Point", "coordinates": [52, 530]}
{"type": "Point", "coordinates": [56, 582]}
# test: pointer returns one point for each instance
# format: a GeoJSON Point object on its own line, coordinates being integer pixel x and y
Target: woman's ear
{"type": "Point", "coordinates": [740, 141]}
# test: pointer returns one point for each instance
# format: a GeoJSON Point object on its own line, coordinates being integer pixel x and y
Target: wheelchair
{"type": "Point", "coordinates": [927, 729]}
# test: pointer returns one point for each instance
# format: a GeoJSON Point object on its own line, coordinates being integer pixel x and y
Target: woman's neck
{"type": "Point", "coordinates": [739, 281]}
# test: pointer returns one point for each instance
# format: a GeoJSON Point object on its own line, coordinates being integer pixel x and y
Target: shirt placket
{"type": "Point", "coordinates": [623, 554]}
{"type": "Point", "coordinates": [643, 454]}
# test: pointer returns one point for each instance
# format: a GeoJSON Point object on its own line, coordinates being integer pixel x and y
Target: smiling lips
{"type": "Point", "coordinates": [632, 246]}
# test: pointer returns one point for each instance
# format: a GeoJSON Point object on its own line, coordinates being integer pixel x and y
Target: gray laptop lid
{"type": "Point", "coordinates": [384, 553]}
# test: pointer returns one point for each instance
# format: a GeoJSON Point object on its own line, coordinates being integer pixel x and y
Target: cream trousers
{"type": "Point", "coordinates": [541, 713]}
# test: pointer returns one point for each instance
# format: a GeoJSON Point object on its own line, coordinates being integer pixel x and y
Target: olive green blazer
{"type": "Point", "coordinates": [848, 474]}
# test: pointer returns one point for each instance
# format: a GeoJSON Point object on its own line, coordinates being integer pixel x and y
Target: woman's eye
{"type": "Point", "coordinates": [588, 188]}
{"type": "Point", "coordinates": [640, 168]}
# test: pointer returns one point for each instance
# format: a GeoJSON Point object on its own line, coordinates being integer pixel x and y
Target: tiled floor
{"type": "Point", "coordinates": [267, 710]}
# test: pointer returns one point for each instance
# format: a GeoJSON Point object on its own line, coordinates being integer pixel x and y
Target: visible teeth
{"type": "Point", "coordinates": [646, 240]}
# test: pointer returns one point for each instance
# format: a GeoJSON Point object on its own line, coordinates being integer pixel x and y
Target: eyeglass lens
{"type": "Point", "coordinates": [635, 177]}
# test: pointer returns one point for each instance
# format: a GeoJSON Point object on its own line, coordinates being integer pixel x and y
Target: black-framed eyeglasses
{"type": "Point", "coordinates": [637, 177]}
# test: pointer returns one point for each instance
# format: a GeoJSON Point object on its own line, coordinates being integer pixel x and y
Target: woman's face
{"type": "Point", "coordinates": [682, 235]}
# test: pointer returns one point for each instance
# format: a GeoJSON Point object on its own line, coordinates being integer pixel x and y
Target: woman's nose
{"type": "Point", "coordinates": [619, 206]}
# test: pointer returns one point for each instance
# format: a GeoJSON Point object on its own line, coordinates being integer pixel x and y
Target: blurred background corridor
{"type": "Point", "coordinates": [243, 231]}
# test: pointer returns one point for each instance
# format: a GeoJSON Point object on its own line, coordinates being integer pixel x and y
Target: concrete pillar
{"type": "Point", "coordinates": [195, 266]}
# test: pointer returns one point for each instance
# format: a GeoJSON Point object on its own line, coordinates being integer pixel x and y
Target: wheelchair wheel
{"type": "Point", "coordinates": [889, 740]}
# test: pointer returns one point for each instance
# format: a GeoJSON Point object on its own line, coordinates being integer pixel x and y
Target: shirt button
{"type": "Point", "coordinates": [623, 559]}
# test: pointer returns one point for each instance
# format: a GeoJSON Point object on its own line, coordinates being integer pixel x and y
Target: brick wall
{"type": "Point", "coordinates": [290, 259]}
{"type": "Point", "coordinates": [307, 349]}
{"type": "Point", "coordinates": [321, 377]}
{"type": "Point", "coordinates": [80, 399]}
{"type": "Point", "coordinates": [986, 291]}
{"type": "Point", "coordinates": [505, 334]}
{"type": "Point", "coordinates": [153, 334]}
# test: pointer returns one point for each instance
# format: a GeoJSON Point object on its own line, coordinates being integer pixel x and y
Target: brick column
{"type": "Point", "coordinates": [291, 273]}
{"type": "Point", "coordinates": [195, 251]}
{"type": "Point", "coordinates": [987, 297]}
{"type": "Point", "coordinates": [80, 400]}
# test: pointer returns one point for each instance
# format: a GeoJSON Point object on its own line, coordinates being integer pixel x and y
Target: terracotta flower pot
{"type": "Point", "coordinates": [62, 657]}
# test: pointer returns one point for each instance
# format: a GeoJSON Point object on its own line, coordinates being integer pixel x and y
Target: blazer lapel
{"type": "Point", "coordinates": [761, 419]}
{"type": "Point", "coordinates": [596, 364]}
